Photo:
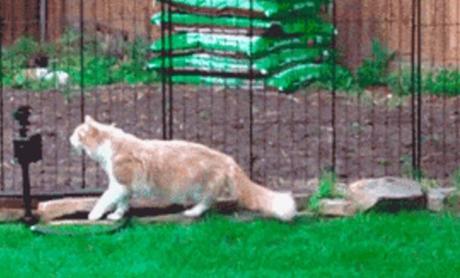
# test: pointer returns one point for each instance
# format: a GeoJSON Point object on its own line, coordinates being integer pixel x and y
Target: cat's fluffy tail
{"type": "Point", "coordinates": [255, 197]}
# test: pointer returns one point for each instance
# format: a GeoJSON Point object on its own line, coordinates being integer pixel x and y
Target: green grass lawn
{"type": "Point", "coordinates": [374, 245]}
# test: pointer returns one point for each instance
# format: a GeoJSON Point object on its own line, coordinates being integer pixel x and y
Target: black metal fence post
{"type": "Point", "coordinates": [416, 89]}
{"type": "Point", "coordinates": [26, 193]}
{"type": "Point", "coordinates": [419, 90]}
{"type": "Point", "coordinates": [163, 71]}
{"type": "Point", "coordinates": [170, 74]}
{"type": "Point", "coordinates": [82, 84]}
{"type": "Point", "coordinates": [334, 84]}
{"type": "Point", "coordinates": [412, 87]}
{"type": "Point", "coordinates": [2, 169]}
{"type": "Point", "coordinates": [251, 90]}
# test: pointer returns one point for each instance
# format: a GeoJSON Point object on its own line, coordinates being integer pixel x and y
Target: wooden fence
{"type": "Point", "coordinates": [358, 21]}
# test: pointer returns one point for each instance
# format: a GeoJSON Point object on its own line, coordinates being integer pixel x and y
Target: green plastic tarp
{"type": "Point", "coordinates": [266, 65]}
{"type": "Point", "coordinates": [290, 25]}
{"type": "Point", "coordinates": [237, 44]}
{"type": "Point", "coordinates": [287, 80]}
{"type": "Point", "coordinates": [294, 77]}
{"type": "Point", "coordinates": [268, 8]}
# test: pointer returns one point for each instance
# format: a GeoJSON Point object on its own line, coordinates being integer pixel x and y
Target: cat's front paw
{"type": "Point", "coordinates": [190, 213]}
{"type": "Point", "coordinates": [93, 216]}
{"type": "Point", "coordinates": [115, 216]}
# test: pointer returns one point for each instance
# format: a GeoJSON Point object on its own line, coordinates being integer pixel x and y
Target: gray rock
{"type": "Point", "coordinates": [60, 208]}
{"type": "Point", "coordinates": [336, 207]}
{"type": "Point", "coordinates": [436, 198]}
{"type": "Point", "coordinates": [367, 193]}
{"type": "Point", "coordinates": [435, 201]}
{"type": "Point", "coordinates": [313, 184]}
{"type": "Point", "coordinates": [54, 209]}
{"type": "Point", "coordinates": [342, 189]}
{"type": "Point", "coordinates": [447, 191]}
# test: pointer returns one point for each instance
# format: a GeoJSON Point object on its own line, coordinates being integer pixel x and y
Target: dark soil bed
{"type": "Point", "coordinates": [292, 141]}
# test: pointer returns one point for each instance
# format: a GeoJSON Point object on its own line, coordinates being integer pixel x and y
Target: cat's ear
{"type": "Point", "coordinates": [89, 120]}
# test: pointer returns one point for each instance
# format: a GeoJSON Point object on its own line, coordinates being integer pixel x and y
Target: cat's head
{"type": "Point", "coordinates": [88, 136]}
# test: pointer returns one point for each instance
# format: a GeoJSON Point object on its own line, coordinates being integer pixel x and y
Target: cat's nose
{"type": "Point", "coordinates": [73, 140]}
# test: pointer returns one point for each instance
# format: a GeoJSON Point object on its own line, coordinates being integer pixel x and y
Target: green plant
{"type": "Point", "coordinates": [19, 56]}
{"type": "Point", "coordinates": [444, 82]}
{"type": "Point", "coordinates": [326, 189]}
{"type": "Point", "coordinates": [69, 41]}
{"type": "Point", "coordinates": [407, 169]}
{"type": "Point", "coordinates": [100, 66]}
{"type": "Point", "coordinates": [374, 70]}
{"type": "Point", "coordinates": [428, 184]}
{"type": "Point", "coordinates": [344, 80]}
{"type": "Point", "coordinates": [455, 179]}
{"type": "Point", "coordinates": [400, 82]}
{"type": "Point", "coordinates": [134, 70]}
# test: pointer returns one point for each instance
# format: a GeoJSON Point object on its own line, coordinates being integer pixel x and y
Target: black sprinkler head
{"type": "Point", "coordinates": [22, 115]}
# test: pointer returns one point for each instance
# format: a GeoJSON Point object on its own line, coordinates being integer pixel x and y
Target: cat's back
{"type": "Point", "coordinates": [181, 146]}
{"type": "Point", "coordinates": [170, 152]}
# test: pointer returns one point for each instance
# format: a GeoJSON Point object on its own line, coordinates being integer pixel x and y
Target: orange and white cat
{"type": "Point", "coordinates": [176, 171]}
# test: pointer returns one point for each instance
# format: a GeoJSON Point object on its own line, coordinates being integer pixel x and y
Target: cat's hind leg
{"type": "Point", "coordinates": [198, 209]}
{"type": "Point", "coordinates": [210, 192]}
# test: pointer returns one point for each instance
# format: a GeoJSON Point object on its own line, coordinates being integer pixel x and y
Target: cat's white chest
{"type": "Point", "coordinates": [104, 155]}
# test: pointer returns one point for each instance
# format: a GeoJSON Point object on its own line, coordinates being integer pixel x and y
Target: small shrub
{"type": "Point", "coordinates": [400, 82]}
{"type": "Point", "coordinates": [445, 82]}
{"type": "Point", "coordinates": [442, 83]}
{"type": "Point", "coordinates": [407, 169]}
{"type": "Point", "coordinates": [326, 189]}
{"type": "Point", "coordinates": [428, 184]}
{"type": "Point", "coordinates": [374, 70]}
{"type": "Point", "coordinates": [69, 41]}
{"type": "Point", "coordinates": [406, 166]}
{"type": "Point", "coordinates": [21, 52]}
{"type": "Point", "coordinates": [99, 67]}
{"type": "Point", "coordinates": [455, 179]}
{"type": "Point", "coordinates": [344, 80]}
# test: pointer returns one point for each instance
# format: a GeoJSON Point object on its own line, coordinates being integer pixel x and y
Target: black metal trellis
{"type": "Point", "coordinates": [167, 71]}
{"type": "Point", "coordinates": [260, 128]}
